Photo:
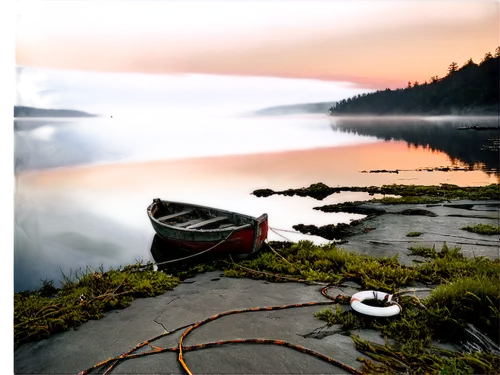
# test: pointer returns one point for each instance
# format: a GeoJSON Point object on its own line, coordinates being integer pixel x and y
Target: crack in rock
{"type": "Point", "coordinates": [321, 332]}
{"type": "Point", "coordinates": [158, 317]}
{"type": "Point", "coordinates": [272, 317]}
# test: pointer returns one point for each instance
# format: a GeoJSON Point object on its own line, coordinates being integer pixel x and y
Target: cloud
{"type": "Point", "coordinates": [215, 83]}
{"type": "Point", "coordinates": [332, 40]}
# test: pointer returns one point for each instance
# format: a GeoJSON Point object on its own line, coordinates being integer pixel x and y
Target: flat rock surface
{"type": "Point", "coordinates": [194, 300]}
{"type": "Point", "coordinates": [385, 235]}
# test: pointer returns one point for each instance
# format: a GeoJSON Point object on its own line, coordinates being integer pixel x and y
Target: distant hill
{"type": "Point", "coordinates": [472, 89]}
{"type": "Point", "coordinates": [24, 107]}
{"type": "Point", "coordinates": [20, 111]}
{"type": "Point", "coordinates": [294, 109]}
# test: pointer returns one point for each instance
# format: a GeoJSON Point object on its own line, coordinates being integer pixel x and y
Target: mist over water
{"type": "Point", "coordinates": [134, 95]}
{"type": "Point", "coordinates": [42, 144]}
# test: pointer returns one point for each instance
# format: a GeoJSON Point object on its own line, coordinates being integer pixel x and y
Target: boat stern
{"type": "Point", "coordinates": [261, 228]}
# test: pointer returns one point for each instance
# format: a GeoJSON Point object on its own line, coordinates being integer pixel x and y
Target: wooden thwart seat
{"type": "Point", "coordinates": [185, 212]}
{"type": "Point", "coordinates": [206, 222]}
{"type": "Point", "coordinates": [188, 223]}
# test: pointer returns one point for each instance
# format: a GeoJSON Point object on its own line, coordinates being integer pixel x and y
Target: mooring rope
{"type": "Point", "coordinates": [284, 230]}
{"type": "Point", "coordinates": [274, 230]}
{"type": "Point", "coordinates": [295, 232]}
{"type": "Point", "coordinates": [224, 240]}
{"type": "Point", "coordinates": [218, 244]}
{"type": "Point", "coordinates": [197, 254]}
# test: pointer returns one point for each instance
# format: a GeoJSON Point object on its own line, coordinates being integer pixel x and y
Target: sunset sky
{"type": "Point", "coordinates": [375, 44]}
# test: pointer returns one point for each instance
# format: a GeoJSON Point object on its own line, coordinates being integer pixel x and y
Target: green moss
{"type": "Point", "coordinates": [357, 207]}
{"type": "Point", "coordinates": [318, 191]}
{"type": "Point", "coordinates": [409, 193]}
{"type": "Point", "coordinates": [330, 231]}
{"type": "Point", "coordinates": [423, 251]}
{"type": "Point", "coordinates": [39, 314]}
{"type": "Point", "coordinates": [417, 212]}
{"type": "Point", "coordinates": [263, 192]}
{"type": "Point", "coordinates": [483, 229]}
{"type": "Point", "coordinates": [415, 331]}
{"type": "Point", "coordinates": [414, 234]}
{"type": "Point", "coordinates": [346, 319]}
{"type": "Point", "coordinates": [330, 263]}
{"type": "Point", "coordinates": [473, 299]}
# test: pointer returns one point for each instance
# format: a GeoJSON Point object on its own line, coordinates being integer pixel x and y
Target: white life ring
{"type": "Point", "coordinates": [358, 305]}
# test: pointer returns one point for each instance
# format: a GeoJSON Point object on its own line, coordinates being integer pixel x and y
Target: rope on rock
{"type": "Point", "coordinates": [113, 362]}
{"type": "Point", "coordinates": [181, 349]}
{"type": "Point", "coordinates": [252, 309]}
{"type": "Point", "coordinates": [197, 254]}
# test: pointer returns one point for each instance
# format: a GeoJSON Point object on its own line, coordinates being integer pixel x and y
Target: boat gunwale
{"type": "Point", "coordinates": [215, 230]}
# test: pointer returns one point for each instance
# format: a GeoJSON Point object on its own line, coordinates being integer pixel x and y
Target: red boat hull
{"type": "Point", "coordinates": [241, 242]}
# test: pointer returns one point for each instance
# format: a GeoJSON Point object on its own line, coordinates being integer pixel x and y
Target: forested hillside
{"type": "Point", "coordinates": [470, 89]}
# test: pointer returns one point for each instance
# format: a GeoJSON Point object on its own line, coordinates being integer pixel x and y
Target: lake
{"type": "Point", "coordinates": [83, 184]}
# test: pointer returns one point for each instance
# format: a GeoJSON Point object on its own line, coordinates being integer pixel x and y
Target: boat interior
{"type": "Point", "coordinates": [195, 217]}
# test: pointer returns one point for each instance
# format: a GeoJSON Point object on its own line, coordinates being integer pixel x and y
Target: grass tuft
{"type": "Point", "coordinates": [414, 234]}
{"type": "Point", "coordinates": [39, 314]}
{"type": "Point", "coordinates": [483, 229]}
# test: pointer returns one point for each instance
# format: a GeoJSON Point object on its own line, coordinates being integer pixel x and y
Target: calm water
{"type": "Point", "coordinates": [80, 190]}
{"type": "Point", "coordinates": [83, 185]}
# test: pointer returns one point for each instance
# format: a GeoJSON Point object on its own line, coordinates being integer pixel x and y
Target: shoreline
{"type": "Point", "coordinates": [215, 286]}
{"type": "Point", "coordinates": [21, 112]}
{"type": "Point", "coordinates": [372, 210]}
{"type": "Point", "coordinates": [443, 116]}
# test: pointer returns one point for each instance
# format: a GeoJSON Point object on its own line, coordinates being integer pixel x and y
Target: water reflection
{"type": "Point", "coordinates": [52, 143]}
{"type": "Point", "coordinates": [54, 238]}
{"type": "Point", "coordinates": [171, 259]}
{"type": "Point", "coordinates": [466, 146]}
{"type": "Point", "coordinates": [68, 219]}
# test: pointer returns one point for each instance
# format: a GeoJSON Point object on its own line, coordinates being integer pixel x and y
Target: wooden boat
{"type": "Point", "coordinates": [197, 228]}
